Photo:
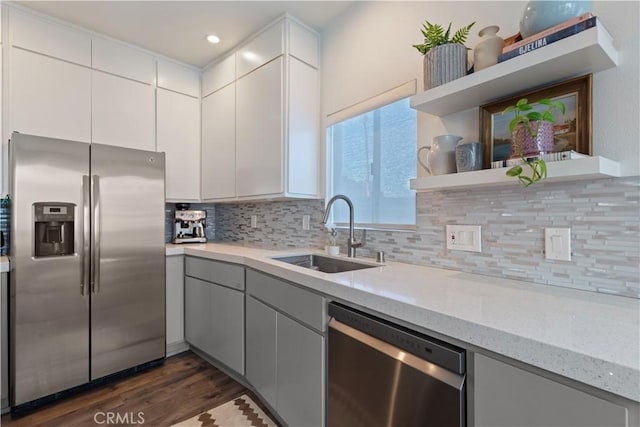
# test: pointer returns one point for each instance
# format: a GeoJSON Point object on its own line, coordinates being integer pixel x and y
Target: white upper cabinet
{"type": "Point", "coordinates": [259, 125]}
{"type": "Point", "coordinates": [40, 35]}
{"type": "Point", "coordinates": [219, 75]}
{"type": "Point", "coordinates": [263, 48]}
{"type": "Point", "coordinates": [274, 150]}
{"type": "Point", "coordinates": [122, 60]}
{"type": "Point", "coordinates": [49, 97]}
{"type": "Point", "coordinates": [178, 78]}
{"type": "Point", "coordinates": [303, 43]}
{"type": "Point", "coordinates": [179, 138]}
{"type": "Point", "coordinates": [122, 112]}
{"type": "Point", "coordinates": [304, 129]}
{"type": "Point", "coordinates": [219, 144]}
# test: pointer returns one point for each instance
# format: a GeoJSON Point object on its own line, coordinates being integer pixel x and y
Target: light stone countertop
{"type": "Point", "coordinates": [589, 337]}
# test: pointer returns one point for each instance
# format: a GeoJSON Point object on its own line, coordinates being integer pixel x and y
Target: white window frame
{"type": "Point", "coordinates": [393, 95]}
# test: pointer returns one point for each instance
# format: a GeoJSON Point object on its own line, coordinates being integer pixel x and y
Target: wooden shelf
{"type": "Point", "coordinates": [586, 52]}
{"type": "Point", "coordinates": [566, 170]}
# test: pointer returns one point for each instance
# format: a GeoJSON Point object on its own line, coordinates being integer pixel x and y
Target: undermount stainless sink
{"type": "Point", "coordinates": [323, 263]}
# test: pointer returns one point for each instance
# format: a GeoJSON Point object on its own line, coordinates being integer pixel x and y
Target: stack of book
{"type": "Point", "coordinates": [547, 157]}
{"type": "Point", "coordinates": [561, 31]}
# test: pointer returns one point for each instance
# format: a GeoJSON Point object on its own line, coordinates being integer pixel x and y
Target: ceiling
{"type": "Point", "coordinates": [177, 29]}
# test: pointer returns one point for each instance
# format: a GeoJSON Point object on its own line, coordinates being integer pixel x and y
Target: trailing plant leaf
{"type": "Point", "coordinates": [435, 35]}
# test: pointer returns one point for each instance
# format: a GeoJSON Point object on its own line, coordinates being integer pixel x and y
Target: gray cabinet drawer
{"type": "Point", "coordinates": [230, 275]}
{"type": "Point", "coordinates": [304, 306]}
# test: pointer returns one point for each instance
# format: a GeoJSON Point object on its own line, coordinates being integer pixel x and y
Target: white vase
{"type": "Point", "coordinates": [486, 52]}
{"type": "Point", "coordinates": [443, 64]}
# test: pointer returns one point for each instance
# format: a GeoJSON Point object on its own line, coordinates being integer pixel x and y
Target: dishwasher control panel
{"type": "Point", "coordinates": [428, 348]}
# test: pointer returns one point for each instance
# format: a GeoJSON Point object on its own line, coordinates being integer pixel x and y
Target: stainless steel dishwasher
{"type": "Point", "coordinates": [382, 374]}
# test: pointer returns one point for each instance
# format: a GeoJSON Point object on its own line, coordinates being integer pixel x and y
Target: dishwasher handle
{"type": "Point", "coordinates": [428, 348]}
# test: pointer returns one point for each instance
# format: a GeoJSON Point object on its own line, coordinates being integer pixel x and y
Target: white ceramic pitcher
{"type": "Point", "coordinates": [441, 155]}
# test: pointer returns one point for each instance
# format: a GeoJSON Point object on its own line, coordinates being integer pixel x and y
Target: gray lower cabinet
{"type": "Point", "coordinates": [175, 304]}
{"type": "Point", "coordinates": [285, 353]}
{"type": "Point", "coordinates": [300, 374]}
{"type": "Point", "coordinates": [262, 349]}
{"type": "Point", "coordinates": [508, 396]}
{"type": "Point", "coordinates": [214, 313]}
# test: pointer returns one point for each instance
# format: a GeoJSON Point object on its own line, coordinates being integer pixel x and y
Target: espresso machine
{"type": "Point", "coordinates": [189, 226]}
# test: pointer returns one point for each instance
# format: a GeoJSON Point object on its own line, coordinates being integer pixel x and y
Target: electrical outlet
{"type": "Point", "coordinates": [464, 238]}
{"type": "Point", "coordinates": [305, 221]}
{"type": "Point", "coordinates": [254, 221]}
{"type": "Point", "coordinates": [557, 244]}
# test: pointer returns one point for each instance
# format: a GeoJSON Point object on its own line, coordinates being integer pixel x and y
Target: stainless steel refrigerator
{"type": "Point", "coordinates": [87, 286]}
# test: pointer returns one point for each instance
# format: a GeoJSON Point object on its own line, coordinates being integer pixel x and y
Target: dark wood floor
{"type": "Point", "coordinates": [183, 387]}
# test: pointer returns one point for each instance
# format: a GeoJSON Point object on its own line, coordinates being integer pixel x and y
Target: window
{"type": "Point", "coordinates": [372, 157]}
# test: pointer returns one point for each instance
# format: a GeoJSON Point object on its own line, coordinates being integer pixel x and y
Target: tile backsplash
{"type": "Point", "coordinates": [604, 217]}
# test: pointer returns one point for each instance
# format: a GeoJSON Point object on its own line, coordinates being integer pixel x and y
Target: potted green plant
{"type": "Point", "coordinates": [445, 56]}
{"type": "Point", "coordinates": [531, 134]}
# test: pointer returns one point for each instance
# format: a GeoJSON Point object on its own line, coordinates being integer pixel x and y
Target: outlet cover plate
{"type": "Point", "coordinates": [557, 244]}
{"type": "Point", "coordinates": [464, 238]}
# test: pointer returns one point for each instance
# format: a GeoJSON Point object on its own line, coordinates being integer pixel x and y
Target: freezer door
{"type": "Point", "coordinates": [49, 305]}
{"type": "Point", "coordinates": [128, 285]}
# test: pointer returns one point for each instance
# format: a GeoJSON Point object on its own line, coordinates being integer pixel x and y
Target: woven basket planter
{"type": "Point", "coordinates": [443, 64]}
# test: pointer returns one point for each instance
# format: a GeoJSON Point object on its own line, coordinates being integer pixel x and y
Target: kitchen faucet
{"type": "Point", "coordinates": [352, 243]}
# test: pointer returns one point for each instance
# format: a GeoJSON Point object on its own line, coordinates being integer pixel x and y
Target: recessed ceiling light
{"type": "Point", "coordinates": [213, 39]}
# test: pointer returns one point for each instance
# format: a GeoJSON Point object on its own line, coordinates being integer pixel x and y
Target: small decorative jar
{"type": "Point", "coordinates": [486, 52]}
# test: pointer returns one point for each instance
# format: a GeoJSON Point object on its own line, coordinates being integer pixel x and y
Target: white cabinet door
{"type": "Point", "coordinates": [122, 60]}
{"type": "Point", "coordinates": [219, 75]}
{"type": "Point", "coordinates": [49, 97]}
{"type": "Point", "coordinates": [178, 78]}
{"type": "Point", "coordinates": [175, 304]}
{"type": "Point", "coordinates": [260, 50]}
{"type": "Point", "coordinates": [178, 130]}
{"type": "Point", "coordinates": [304, 130]}
{"type": "Point", "coordinates": [219, 144]}
{"type": "Point", "coordinates": [122, 112]}
{"type": "Point", "coordinates": [259, 130]}
{"type": "Point", "coordinates": [45, 36]}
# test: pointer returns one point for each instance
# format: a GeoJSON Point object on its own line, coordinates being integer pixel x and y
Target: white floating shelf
{"type": "Point", "coordinates": [587, 52]}
{"type": "Point", "coordinates": [565, 170]}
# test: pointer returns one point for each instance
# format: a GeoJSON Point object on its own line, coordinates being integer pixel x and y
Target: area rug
{"type": "Point", "coordinates": [238, 412]}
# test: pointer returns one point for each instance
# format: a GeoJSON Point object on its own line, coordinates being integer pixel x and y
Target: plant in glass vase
{"type": "Point", "coordinates": [532, 134]}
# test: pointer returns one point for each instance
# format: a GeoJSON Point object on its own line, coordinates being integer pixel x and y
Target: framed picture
{"type": "Point", "coordinates": [572, 130]}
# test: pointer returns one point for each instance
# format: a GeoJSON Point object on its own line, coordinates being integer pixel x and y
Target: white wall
{"type": "Point", "coordinates": [368, 50]}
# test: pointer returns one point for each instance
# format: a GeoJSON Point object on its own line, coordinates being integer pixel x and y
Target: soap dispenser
{"type": "Point", "coordinates": [332, 247]}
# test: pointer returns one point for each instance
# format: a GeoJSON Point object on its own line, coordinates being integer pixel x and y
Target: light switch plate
{"type": "Point", "coordinates": [557, 244]}
{"type": "Point", "coordinates": [464, 238]}
{"type": "Point", "coordinates": [254, 221]}
{"type": "Point", "coordinates": [305, 221]}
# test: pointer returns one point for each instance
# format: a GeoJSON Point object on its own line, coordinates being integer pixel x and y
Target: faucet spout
{"type": "Point", "coordinates": [352, 243]}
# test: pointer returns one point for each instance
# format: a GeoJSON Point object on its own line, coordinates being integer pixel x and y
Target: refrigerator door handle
{"type": "Point", "coordinates": [85, 262]}
{"type": "Point", "coordinates": [95, 247]}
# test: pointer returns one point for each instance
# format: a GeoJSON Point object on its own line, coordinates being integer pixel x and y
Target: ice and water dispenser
{"type": "Point", "coordinates": [53, 229]}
